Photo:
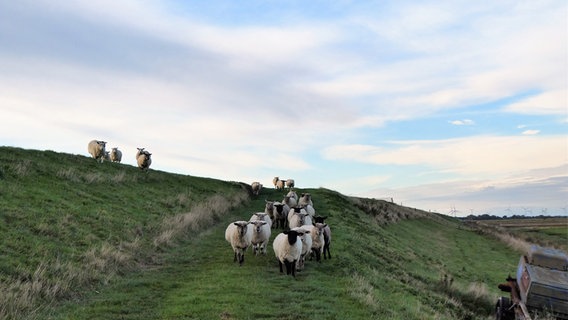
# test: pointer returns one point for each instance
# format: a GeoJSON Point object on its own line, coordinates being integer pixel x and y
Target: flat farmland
{"type": "Point", "coordinates": [543, 231]}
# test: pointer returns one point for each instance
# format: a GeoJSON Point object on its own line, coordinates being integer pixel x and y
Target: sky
{"type": "Point", "coordinates": [457, 107]}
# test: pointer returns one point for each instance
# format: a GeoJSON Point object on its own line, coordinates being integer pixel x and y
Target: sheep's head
{"type": "Point", "coordinates": [258, 225]}
{"type": "Point", "coordinates": [241, 227]}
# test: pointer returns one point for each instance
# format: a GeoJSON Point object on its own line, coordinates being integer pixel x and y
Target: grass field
{"type": "Point", "coordinates": [550, 232]}
{"type": "Point", "coordinates": [83, 240]}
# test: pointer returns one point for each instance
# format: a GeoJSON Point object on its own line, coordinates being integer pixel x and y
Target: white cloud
{"type": "Point", "coordinates": [531, 132]}
{"type": "Point", "coordinates": [465, 122]}
{"type": "Point", "coordinates": [473, 156]}
{"type": "Point", "coordinates": [550, 102]}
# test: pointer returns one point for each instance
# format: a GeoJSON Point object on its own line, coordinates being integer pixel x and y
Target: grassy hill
{"type": "Point", "coordinates": [84, 240]}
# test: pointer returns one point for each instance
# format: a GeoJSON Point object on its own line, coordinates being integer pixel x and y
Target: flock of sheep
{"type": "Point", "coordinates": [97, 149]}
{"type": "Point", "coordinates": [303, 233]}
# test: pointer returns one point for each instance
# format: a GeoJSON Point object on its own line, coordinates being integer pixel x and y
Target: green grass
{"type": "Point", "coordinates": [82, 240]}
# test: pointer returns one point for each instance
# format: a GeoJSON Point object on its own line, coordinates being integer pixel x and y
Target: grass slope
{"type": "Point", "coordinates": [106, 241]}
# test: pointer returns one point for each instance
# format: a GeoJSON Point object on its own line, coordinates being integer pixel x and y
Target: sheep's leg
{"type": "Point", "coordinates": [235, 257]}
{"type": "Point", "coordinates": [280, 263]}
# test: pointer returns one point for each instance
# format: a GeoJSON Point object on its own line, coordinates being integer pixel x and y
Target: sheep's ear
{"type": "Point", "coordinates": [263, 222]}
{"type": "Point", "coordinates": [285, 231]}
{"type": "Point", "coordinates": [236, 224]}
{"type": "Point", "coordinates": [308, 231]}
{"type": "Point", "coordinates": [324, 225]}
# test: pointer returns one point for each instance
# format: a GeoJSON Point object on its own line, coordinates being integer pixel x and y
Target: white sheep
{"type": "Point", "coordinates": [305, 199]}
{"type": "Point", "coordinates": [290, 183]}
{"type": "Point", "coordinates": [115, 155]}
{"type": "Point", "coordinates": [326, 236]}
{"type": "Point", "coordinates": [260, 231]}
{"type": "Point", "coordinates": [292, 194]}
{"type": "Point", "coordinates": [288, 250]}
{"type": "Point", "coordinates": [280, 212]}
{"type": "Point", "coordinates": [280, 184]}
{"type": "Point", "coordinates": [310, 210]}
{"type": "Point", "coordinates": [262, 216]}
{"type": "Point", "coordinates": [238, 235]}
{"type": "Point", "coordinates": [306, 248]}
{"type": "Point", "coordinates": [298, 219]}
{"type": "Point", "coordinates": [318, 241]}
{"type": "Point", "coordinates": [256, 187]}
{"type": "Point", "coordinates": [294, 210]}
{"type": "Point", "coordinates": [97, 150]}
{"type": "Point", "coordinates": [144, 160]}
{"type": "Point", "coordinates": [139, 152]}
{"type": "Point", "coordinates": [269, 209]}
{"type": "Point", "coordinates": [289, 201]}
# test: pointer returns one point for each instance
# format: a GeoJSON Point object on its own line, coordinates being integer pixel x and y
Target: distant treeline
{"type": "Point", "coordinates": [513, 217]}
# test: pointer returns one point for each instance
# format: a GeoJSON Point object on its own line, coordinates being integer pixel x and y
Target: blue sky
{"type": "Point", "coordinates": [439, 105]}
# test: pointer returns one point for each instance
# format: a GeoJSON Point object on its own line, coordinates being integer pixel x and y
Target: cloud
{"type": "Point", "coordinates": [465, 122]}
{"type": "Point", "coordinates": [535, 189]}
{"type": "Point", "coordinates": [550, 102]}
{"type": "Point", "coordinates": [531, 132]}
{"type": "Point", "coordinates": [471, 156]}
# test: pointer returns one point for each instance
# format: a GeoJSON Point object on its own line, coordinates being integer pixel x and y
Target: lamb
{"type": "Point", "coordinates": [306, 248]}
{"type": "Point", "coordinates": [97, 150]}
{"type": "Point", "coordinates": [280, 212]}
{"type": "Point", "coordinates": [139, 152]}
{"type": "Point", "coordinates": [238, 235]}
{"type": "Point", "coordinates": [288, 250]}
{"type": "Point", "coordinates": [305, 199]}
{"type": "Point", "coordinates": [290, 183]}
{"type": "Point", "coordinates": [115, 155]}
{"type": "Point", "coordinates": [256, 187]}
{"type": "Point", "coordinates": [144, 160]}
{"type": "Point", "coordinates": [260, 231]}
{"type": "Point", "coordinates": [326, 237]}
{"type": "Point", "coordinates": [106, 157]}
{"type": "Point", "coordinates": [262, 216]}
{"type": "Point", "coordinates": [318, 241]}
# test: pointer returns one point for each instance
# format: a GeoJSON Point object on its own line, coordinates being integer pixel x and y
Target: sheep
{"type": "Point", "coordinates": [298, 219]}
{"type": "Point", "coordinates": [238, 235]}
{"type": "Point", "coordinates": [316, 231]}
{"type": "Point", "coordinates": [269, 208]}
{"type": "Point", "coordinates": [289, 201]}
{"type": "Point", "coordinates": [288, 249]}
{"type": "Point", "coordinates": [115, 155]}
{"type": "Point", "coordinates": [290, 183]}
{"type": "Point", "coordinates": [306, 248]}
{"type": "Point", "coordinates": [144, 160]}
{"type": "Point", "coordinates": [256, 187]}
{"type": "Point", "coordinates": [305, 199]}
{"type": "Point", "coordinates": [294, 210]}
{"type": "Point", "coordinates": [139, 152]}
{"type": "Point", "coordinates": [310, 210]}
{"type": "Point", "coordinates": [262, 216]}
{"type": "Point", "coordinates": [326, 236]}
{"type": "Point", "coordinates": [280, 212]}
{"type": "Point", "coordinates": [260, 231]}
{"type": "Point", "coordinates": [106, 156]}
{"type": "Point", "coordinates": [97, 150]}
{"type": "Point", "coordinates": [278, 184]}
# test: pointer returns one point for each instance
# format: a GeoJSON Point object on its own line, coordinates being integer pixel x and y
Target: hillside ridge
{"type": "Point", "coordinates": [72, 226]}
